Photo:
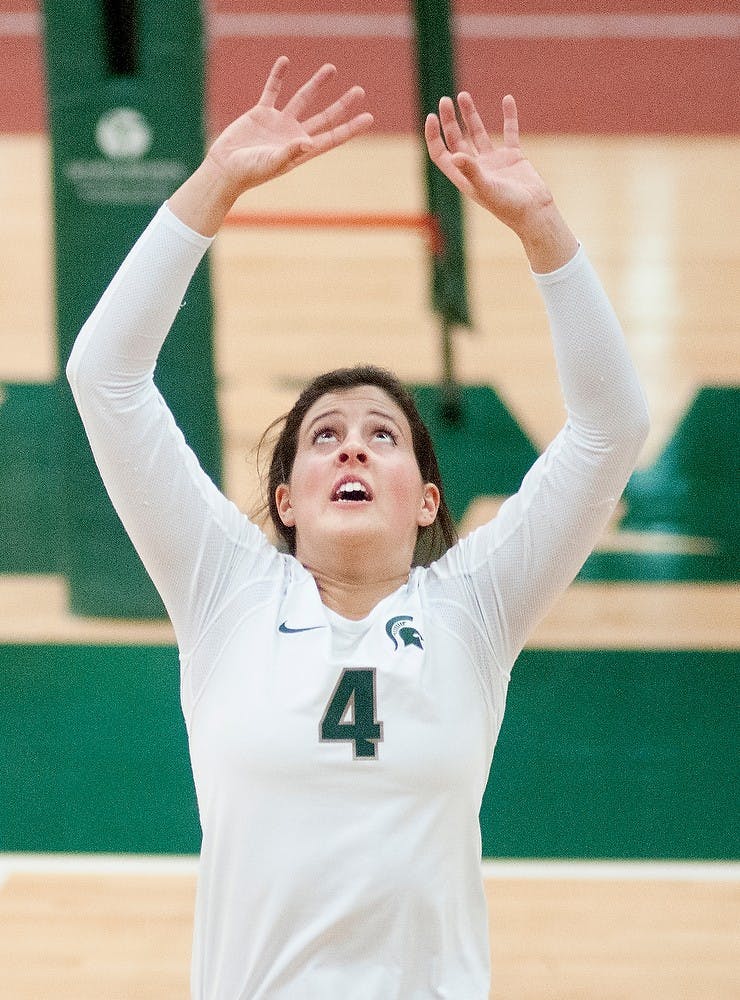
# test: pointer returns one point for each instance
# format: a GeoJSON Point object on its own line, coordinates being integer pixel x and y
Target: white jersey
{"type": "Point", "coordinates": [339, 765]}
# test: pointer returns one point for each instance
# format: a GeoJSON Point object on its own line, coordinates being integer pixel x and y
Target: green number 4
{"type": "Point", "coordinates": [350, 713]}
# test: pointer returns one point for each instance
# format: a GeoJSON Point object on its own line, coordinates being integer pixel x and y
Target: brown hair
{"type": "Point", "coordinates": [432, 540]}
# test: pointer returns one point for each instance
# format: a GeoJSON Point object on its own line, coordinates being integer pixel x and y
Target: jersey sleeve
{"type": "Point", "coordinates": [513, 568]}
{"type": "Point", "coordinates": [188, 535]}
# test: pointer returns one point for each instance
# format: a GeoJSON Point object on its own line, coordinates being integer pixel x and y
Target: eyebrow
{"type": "Point", "coordinates": [383, 414]}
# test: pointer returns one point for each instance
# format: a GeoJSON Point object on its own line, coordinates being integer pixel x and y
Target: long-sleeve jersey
{"type": "Point", "coordinates": [340, 765]}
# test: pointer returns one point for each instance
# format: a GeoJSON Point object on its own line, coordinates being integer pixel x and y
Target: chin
{"type": "Point", "coordinates": [357, 530]}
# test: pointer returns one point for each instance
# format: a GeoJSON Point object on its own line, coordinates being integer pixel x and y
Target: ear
{"type": "Point", "coordinates": [284, 506]}
{"type": "Point", "coordinates": [429, 505]}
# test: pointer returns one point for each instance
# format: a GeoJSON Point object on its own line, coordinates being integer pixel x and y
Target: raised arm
{"type": "Point", "coordinates": [532, 550]}
{"type": "Point", "coordinates": [186, 532]}
{"type": "Point", "coordinates": [266, 142]}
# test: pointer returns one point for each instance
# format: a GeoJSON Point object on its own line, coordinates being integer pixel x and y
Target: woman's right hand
{"type": "Point", "coordinates": [266, 142]}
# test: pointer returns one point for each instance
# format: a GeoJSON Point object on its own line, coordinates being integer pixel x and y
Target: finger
{"type": "Point", "coordinates": [511, 121]}
{"type": "Point", "coordinates": [450, 126]}
{"type": "Point", "coordinates": [434, 140]}
{"type": "Point", "coordinates": [274, 83]}
{"type": "Point", "coordinates": [304, 96]}
{"type": "Point", "coordinates": [438, 151]}
{"type": "Point", "coordinates": [474, 123]}
{"type": "Point", "coordinates": [440, 154]}
{"type": "Point", "coordinates": [337, 112]}
{"type": "Point", "coordinates": [322, 142]}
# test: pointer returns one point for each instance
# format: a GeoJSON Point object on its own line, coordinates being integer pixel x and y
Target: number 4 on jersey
{"type": "Point", "coordinates": [350, 713]}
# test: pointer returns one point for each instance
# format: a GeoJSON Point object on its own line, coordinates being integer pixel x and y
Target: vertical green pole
{"type": "Point", "coordinates": [125, 85]}
{"type": "Point", "coordinates": [435, 57]}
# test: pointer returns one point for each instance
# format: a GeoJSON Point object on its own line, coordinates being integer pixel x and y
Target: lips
{"type": "Point", "coordinates": [351, 489]}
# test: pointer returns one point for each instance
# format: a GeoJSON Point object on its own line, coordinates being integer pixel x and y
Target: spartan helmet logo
{"type": "Point", "coordinates": [401, 628]}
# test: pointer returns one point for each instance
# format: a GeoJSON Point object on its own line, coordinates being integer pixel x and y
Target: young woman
{"type": "Point", "coordinates": [342, 701]}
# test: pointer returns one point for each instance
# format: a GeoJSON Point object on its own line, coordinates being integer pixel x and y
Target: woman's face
{"type": "Point", "coordinates": [355, 478]}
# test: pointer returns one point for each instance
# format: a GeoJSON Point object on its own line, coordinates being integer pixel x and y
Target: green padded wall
{"type": "Point", "coordinates": [30, 490]}
{"type": "Point", "coordinates": [691, 490]}
{"type": "Point", "coordinates": [125, 84]}
{"type": "Point", "coordinates": [483, 452]}
{"type": "Point", "coordinates": [622, 754]}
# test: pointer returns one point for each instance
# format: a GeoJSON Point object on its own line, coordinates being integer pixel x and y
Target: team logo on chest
{"type": "Point", "coordinates": [400, 630]}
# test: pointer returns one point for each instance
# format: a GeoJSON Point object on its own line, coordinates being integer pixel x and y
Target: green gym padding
{"type": "Point", "coordinates": [691, 490]}
{"type": "Point", "coordinates": [617, 754]}
{"type": "Point", "coordinates": [602, 754]}
{"type": "Point", "coordinates": [694, 487]}
{"type": "Point", "coordinates": [484, 452]}
{"type": "Point", "coordinates": [30, 501]}
{"type": "Point", "coordinates": [125, 84]}
{"type": "Point", "coordinates": [94, 751]}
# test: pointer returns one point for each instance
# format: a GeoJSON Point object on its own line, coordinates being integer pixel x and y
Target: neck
{"type": "Point", "coordinates": [354, 599]}
{"type": "Point", "coordinates": [351, 581]}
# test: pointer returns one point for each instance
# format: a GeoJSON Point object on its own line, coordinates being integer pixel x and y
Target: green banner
{"type": "Point", "coordinates": [125, 83]}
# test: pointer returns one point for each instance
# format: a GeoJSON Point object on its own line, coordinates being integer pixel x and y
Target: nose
{"type": "Point", "coordinates": [352, 451]}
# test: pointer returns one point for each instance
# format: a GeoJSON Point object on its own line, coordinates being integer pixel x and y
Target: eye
{"type": "Point", "coordinates": [323, 434]}
{"type": "Point", "coordinates": [386, 434]}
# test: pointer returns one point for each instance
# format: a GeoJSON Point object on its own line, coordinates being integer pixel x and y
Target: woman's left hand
{"type": "Point", "coordinates": [500, 178]}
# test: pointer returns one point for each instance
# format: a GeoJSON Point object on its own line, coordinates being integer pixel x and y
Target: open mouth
{"type": "Point", "coordinates": [351, 491]}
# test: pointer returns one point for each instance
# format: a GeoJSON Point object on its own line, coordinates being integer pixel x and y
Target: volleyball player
{"type": "Point", "coordinates": [343, 698]}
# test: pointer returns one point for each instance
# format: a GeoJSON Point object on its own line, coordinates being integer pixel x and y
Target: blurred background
{"type": "Point", "coordinates": [620, 740]}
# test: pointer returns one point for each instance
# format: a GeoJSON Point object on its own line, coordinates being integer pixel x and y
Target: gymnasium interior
{"type": "Point", "coordinates": [610, 822]}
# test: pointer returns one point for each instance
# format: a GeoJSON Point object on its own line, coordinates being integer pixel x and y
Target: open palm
{"type": "Point", "coordinates": [267, 141]}
{"type": "Point", "coordinates": [500, 178]}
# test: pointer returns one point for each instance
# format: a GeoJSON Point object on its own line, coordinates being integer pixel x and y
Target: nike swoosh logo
{"type": "Point", "coordinates": [292, 631]}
